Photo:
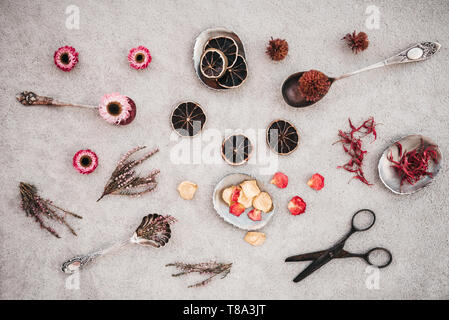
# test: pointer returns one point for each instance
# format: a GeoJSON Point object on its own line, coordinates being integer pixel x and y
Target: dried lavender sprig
{"type": "Point", "coordinates": [123, 180]}
{"type": "Point", "coordinates": [38, 207]}
{"type": "Point", "coordinates": [213, 268]}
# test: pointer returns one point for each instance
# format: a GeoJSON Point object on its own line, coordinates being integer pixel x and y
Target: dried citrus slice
{"type": "Point", "coordinates": [282, 137]}
{"type": "Point", "coordinates": [234, 76]}
{"type": "Point", "coordinates": [236, 149]}
{"type": "Point", "coordinates": [226, 45]}
{"type": "Point", "coordinates": [188, 119]}
{"type": "Point", "coordinates": [213, 63]}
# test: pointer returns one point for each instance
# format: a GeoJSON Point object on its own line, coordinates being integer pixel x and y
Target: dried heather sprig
{"type": "Point", "coordinates": [124, 181]}
{"type": "Point", "coordinates": [37, 207]}
{"type": "Point", "coordinates": [212, 268]}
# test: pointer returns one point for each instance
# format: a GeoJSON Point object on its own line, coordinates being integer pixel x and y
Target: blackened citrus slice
{"type": "Point", "coordinates": [226, 45]}
{"type": "Point", "coordinates": [234, 76]}
{"type": "Point", "coordinates": [213, 64]}
{"type": "Point", "coordinates": [282, 137]}
{"type": "Point", "coordinates": [188, 119]}
{"type": "Point", "coordinates": [236, 149]}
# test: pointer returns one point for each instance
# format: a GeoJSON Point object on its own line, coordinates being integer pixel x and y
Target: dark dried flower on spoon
{"type": "Point", "coordinates": [277, 49]}
{"type": "Point", "coordinates": [211, 268]}
{"type": "Point", "coordinates": [124, 181]}
{"type": "Point", "coordinates": [313, 85]}
{"type": "Point", "coordinates": [41, 208]}
{"type": "Point", "coordinates": [357, 41]}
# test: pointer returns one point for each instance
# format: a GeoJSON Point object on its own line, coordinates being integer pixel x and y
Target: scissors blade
{"type": "Point", "coordinates": [315, 265]}
{"type": "Point", "coordinates": [306, 256]}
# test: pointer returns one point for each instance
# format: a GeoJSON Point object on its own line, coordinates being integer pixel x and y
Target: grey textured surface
{"type": "Point", "coordinates": [37, 145]}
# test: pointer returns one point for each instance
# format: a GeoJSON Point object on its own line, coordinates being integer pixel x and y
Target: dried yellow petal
{"type": "Point", "coordinates": [250, 188]}
{"type": "Point", "coordinates": [227, 194]}
{"type": "Point", "coordinates": [263, 202]}
{"type": "Point", "coordinates": [187, 190]}
{"type": "Point", "coordinates": [255, 238]}
{"type": "Point", "coordinates": [246, 201]}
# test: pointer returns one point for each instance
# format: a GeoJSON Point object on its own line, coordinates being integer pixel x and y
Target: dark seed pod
{"type": "Point", "coordinates": [282, 137]}
{"type": "Point", "coordinates": [188, 119]}
{"type": "Point", "coordinates": [236, 149]}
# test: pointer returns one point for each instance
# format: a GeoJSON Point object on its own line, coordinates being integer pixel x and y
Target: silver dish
{"type": "Point", "coordinates": [198, 49]}
{"type": "Point", "coordinates": [388, 174]}
{"type": "Point", "coordinates": [222, 208]}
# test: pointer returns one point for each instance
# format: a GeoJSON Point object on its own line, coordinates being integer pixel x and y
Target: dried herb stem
{"type": "Point", "coordinates": [124, 181]}
{"type": "Point", "coordinates": [38, 207]}
{"type": "Point", "coordinates": [211, 268]}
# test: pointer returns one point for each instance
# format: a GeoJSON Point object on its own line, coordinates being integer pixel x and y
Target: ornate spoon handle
{"type": "Point", "coordinates": [74, 264]}
{"type": "Point", "coordinates": [28, 98]}
{"type": "Point", "coordinates": [419, 52]}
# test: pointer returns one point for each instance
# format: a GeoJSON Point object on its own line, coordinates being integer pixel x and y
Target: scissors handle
{"type": "Point", "coordinates": [370, 258]}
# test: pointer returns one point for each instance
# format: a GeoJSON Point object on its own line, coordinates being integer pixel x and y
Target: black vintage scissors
{"type": "Point", "coordinates": [362, 220]}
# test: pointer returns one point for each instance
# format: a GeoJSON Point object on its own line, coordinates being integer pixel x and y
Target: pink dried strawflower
{"type": "Point", "coordinates": [85, 161]}
{"type": "Point", "coordinates": [117, 109]}
{"type": "Point", "coordinates": [66, 58]}
{"type": "Point", "coordinates": [139, 57]}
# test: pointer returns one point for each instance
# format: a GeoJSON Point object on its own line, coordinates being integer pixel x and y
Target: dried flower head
{"type": "Point", "coordinates": [85, 161]}
{"type": "Point", "coordinates": [139, 57]}
{"type": "Point", "coordinates": [212, 268]}
{"type": "Point", "coordinates": [117, 109]}
{"type": "Point", "coordinates": [66, 58]}
{"type": "Point", "coordinates": [124, 181]}
{"type": "Point", "coordinates": [277, 49]}
{"type": "Point", "coordinates": [37, 207]}
{"type": "Point", "coordinates": [357, 42]}
{"type": "Point", "coordinates": [314, 85]}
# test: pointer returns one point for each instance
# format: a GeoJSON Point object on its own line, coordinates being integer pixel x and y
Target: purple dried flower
{"type": "Point", "coordinates": [212, 268]}
{"type": "Point", "coordinates": [123, 180]}
{"type": "Point", "coordinates": [37, 207]}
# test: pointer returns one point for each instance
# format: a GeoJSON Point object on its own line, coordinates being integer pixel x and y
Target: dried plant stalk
{"type": "Point", "coordinates": [212, 268]}
{"type": "Point", "coordinates": [124, 181]}
{"type": "Point", "coordinates": [38, 207]}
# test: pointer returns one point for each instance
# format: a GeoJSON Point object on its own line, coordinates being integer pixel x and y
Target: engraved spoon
{"type": "Point", "coordinates": [154, 230]}
{"type": "Point", "coordinates": [419, 52]}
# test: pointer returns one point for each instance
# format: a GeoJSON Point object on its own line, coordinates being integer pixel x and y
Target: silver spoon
{"type": "Point", "coordinates": [154, 231]}
{"type": "Point", "coordinates": [388, 174]}
{"type": "Point", "coordinates": [419, 52]}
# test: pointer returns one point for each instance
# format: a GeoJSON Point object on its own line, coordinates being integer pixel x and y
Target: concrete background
{"type": "Point", "coordinates": [37, 145]}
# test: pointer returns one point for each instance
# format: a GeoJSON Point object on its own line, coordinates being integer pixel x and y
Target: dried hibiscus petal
{"type": "Point", "coordinates": [280, 180]}
{"type": "Point", "coordinates": [255, 215]}
{"type": "Point", "coordinates": [297, 206]}
{"type": "Point", "coordinates": [316, 182]}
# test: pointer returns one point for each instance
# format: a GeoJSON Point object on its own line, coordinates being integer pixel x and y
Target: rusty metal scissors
{"type": "Point", "coordinates": [378, 257]}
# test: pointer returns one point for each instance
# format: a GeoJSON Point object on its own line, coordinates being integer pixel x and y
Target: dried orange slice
{"type": "Point", "coordinates": [282, 137]}
{"type": "Point", "coordinates": [235, 75]}
{"type": "Point", "coordinates": [188, 119]}
{"type": "Point", "coordinates": [236, 149]}
{"type": "Point", "coordinates": [226, 45]}
{"type": "Point", "coordinates": [213, 63]}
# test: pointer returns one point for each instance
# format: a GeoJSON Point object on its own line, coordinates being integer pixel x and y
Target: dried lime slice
{"type": "Point", "coordinates": [226, 45]}
{"type": "Point", "coordinates": [282, 137]}
{"type": "Point", "coordinates": [213, 63]}
{"type": "Point", "coordinates": [234, 76]}
{"type": "Point", "coordinates": [236, 149]}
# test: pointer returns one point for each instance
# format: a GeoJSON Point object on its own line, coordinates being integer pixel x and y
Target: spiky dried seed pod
{"type": "Point", "coordinates": [357, 42]}
{"type": "Point", "coordinates": [313, 85]}
{"type": "Point", "coordinates": [277, 49]}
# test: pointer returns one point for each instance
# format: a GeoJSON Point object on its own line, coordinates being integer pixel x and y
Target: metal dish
{"type": "Point", "coordinates": [388, 174]}
{"type": "Point", "coordinates": [222, 208]}
{"type": "Point", "coordinates": [198, 50]}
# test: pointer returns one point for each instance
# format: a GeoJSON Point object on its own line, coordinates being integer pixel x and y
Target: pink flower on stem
{"type": "Point", "coordinates": [118, 109]}
{"type": "Point", "coordinates": [66, 58]}
{"type": "Point", "coordinates": [139, 57]}
{"type": "Point", "coordinates": [85, 161]}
